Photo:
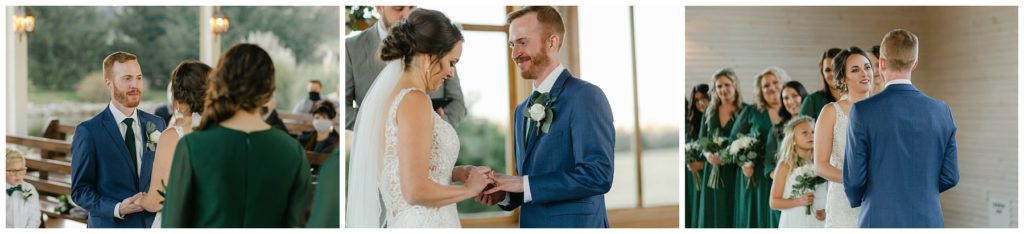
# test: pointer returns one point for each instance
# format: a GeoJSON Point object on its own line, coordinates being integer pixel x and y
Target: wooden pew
{"type": "Point", "coordinates": [55, 130]}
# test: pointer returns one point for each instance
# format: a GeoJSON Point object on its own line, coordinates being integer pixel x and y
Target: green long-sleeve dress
{"type": "Point", "coordinates": [715, 208]}
{"type": "Point", "coordinates": [813, 103]}
{"type": "Point", "coordinates": [771, 160]}
{"type": "Point", "coordinates": [692, 196]}
{"type": "Point", "coordinates": [751, 209]}
{"type": "Point", "coordinates": [222, 177]}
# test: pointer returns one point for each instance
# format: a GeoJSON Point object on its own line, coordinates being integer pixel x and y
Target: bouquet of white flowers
{"type": "Point", "coordinates": [712, 145]}
{"type": "Point", "coordinates": [742, 152]}
{"type": "Point", "coordinates": [693, 154]}
{"type": "Point", "coordinates": [806, 181]}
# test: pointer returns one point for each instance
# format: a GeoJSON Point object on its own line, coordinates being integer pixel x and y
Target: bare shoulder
{"type": "Point", "coordinates": [414, 105]}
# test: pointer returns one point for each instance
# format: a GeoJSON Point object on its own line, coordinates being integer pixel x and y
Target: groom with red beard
{"type": "Point", "coordinates": [112, 153]}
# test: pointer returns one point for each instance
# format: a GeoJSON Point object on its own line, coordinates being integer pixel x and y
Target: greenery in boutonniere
{"type": "Point", "coordinates": [153, 134]}
{"type": "Point", "coordinates": [541, 112]}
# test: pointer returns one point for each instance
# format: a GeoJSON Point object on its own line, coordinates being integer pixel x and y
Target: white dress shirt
{"type": "Point", "coordinates": [122, 128]}
{"type": "Point", "coordinates": [897, 81]}
{"type": "Point", "coordinates": [381, 31]}
{"type": "Point", "coordinates": [544, 87]}
{"type": "Point", "coordinates": [21, 212]}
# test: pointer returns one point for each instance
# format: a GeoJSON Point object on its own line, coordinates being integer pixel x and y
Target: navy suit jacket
{"type": "Point", "coordinates": [570, 167]}
{"type": "Point", "coordinates": [900, 154]}
{"type": "Point", "coordinates": [102, 172]}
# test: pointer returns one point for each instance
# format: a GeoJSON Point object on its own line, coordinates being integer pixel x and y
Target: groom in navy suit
{"type": "Point", "coordinates": [564, 137]}
{"type": "Point", "coordinates": [900, 146]}
{"type": "Point", "coordinates": [112, 153]}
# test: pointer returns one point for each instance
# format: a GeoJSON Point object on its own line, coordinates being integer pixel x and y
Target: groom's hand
{"type": "Point", "coordinates": [506, 183]}
{"type": "Point", "coordinates": [131, 204]}
{"type": "Point", "coordinates": [490, 199]}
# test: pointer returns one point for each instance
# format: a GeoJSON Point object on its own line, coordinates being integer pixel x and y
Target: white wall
{"type": "Point", "coordinates": [968, 59]}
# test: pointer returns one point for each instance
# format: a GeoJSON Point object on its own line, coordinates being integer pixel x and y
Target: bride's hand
{"type": "Point", "coordinates": [478, 179]}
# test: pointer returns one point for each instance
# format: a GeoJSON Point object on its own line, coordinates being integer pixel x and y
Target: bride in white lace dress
{"type": "Point", "coordinates": [403, 153]}
{"type": "Point", "coordinates": [854, 77]}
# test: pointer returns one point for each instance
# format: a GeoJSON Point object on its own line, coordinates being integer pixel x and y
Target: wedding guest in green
{"type": "Point", "coordinates": [793, 93]}
{"type": "Point", "coordinates": [695, 107]}
{"type": "Point", "coordinates": [235, 170]}
{"type": "Point", "coordinates": [715, 208]}
{"type": "Point", "coordinates": [815, 101]}
{"type": "Point", "coordinates": [752, 185]}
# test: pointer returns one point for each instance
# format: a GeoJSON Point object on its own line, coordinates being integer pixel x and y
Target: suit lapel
{"type": "Point", "coordinates": [146, 160]}
{"type": "Point", "coordinates": [556, 92]}
{"type": "Point", "coordinates": [519, 126]}
{"type": "Point", "coordinates": [111, 125]}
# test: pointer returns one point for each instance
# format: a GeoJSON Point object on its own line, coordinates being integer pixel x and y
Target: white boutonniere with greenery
{"type": "Point", "coordinates": [541, 112]}
{"type": "Point", "coordinates": [154, 136]}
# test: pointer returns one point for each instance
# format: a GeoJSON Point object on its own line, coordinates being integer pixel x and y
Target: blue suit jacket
{"type": "Point", "coordinates": [102, 173]}
{"type": "Point", "coordinates": [900, 154]}
{"type": "Point", "coordinates": [570, 167]}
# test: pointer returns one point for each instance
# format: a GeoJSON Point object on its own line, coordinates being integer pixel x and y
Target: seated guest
{"type": "Point", "coordinates": [325, 138]}
{"type": "Point", "coordinates": [23, 210]}
{"type": "Point", "coordinates": [306, 106]}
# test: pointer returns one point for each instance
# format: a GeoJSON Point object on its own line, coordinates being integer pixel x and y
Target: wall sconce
{"type": "Point", "coordinates": [219, 22]}
{"type": "Point", "coordinates": [24, 21]}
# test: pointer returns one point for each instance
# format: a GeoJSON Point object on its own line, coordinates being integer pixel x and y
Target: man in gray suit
{"type": "Point", "coordinates": [363, 64]}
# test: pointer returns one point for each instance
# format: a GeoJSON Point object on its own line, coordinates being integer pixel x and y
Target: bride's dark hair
{"type": "Point", "coordinates": [424, 31]}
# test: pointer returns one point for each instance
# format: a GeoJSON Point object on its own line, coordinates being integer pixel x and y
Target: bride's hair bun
{"type": "Point", "coordinates": [424, 31]}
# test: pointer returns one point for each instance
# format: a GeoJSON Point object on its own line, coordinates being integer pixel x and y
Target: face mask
{"type": "Point", "coordinates": [315, 96]}
{"type": "Point", "coordinates": [322, 125]}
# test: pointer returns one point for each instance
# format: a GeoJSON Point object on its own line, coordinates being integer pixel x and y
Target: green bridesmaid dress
{"type": "Point", "coordinates": [770, 162]}
{"type": "Point", "coordinates": [715, 208]}
{"type": "Point", "coordinates": [692, 195]}
{"type": "Point", "coordinates": [327, 201]}
{"type": "Point", "coordinates": [813, 103]}
{"type": "Point", "coordinates": [751, 205]}
{"type": "Point", "coordinates": [222, 177]}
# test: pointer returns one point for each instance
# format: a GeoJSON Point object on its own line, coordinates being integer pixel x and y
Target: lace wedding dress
{"type": "Point", "coordinates": [838, 213]}
{"type": "Point", "coordinates": [443, 153]}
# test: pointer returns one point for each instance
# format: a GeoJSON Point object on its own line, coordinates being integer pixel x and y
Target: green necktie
{"type": "Point", "coordinates": [129, 140]}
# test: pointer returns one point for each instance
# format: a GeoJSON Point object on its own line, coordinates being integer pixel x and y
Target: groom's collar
{"type": "Point", "coordinates": [118, 116]}
{"type": "Point", "coordinates": [381, 31]}
{"type": "Point", "coordinates": [897, 81]}
{"type": "Point", "coordinates": [550, 80]}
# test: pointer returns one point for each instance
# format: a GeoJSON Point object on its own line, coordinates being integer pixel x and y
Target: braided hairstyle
{"type": "Point", "coordinates": [188, 84]}
{"type": "Point", "coordinates": [424, 31]}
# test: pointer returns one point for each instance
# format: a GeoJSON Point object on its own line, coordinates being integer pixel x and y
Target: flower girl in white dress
{"type": "Point", "coordinates": [796, 191]}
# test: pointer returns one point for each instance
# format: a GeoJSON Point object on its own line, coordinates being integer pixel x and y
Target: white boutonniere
{"type": "Point", "coordinates": [26, 193]}
{"type": "Point", "coordinates": [541, 112]}
{"type": "Point", "coordinates": [154, 136]}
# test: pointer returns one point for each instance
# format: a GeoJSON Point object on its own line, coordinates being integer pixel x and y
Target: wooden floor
{"type": "Point", "coordinates": [650, 217]}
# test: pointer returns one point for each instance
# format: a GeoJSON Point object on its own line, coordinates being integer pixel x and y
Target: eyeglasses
{"type": "Point", "coordinates": [21, 171]}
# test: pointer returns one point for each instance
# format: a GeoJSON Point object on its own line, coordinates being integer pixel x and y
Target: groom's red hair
{"type": "Point", "coordinates": [116, 57]}
{"type": "Point", "coordinates": [547, 16]}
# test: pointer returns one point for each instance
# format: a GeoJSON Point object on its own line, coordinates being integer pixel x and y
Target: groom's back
{"type": "Point", "coordinates": [910, 137]}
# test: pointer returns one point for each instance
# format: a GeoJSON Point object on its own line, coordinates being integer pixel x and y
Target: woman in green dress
{"type": "Point", "coordinates": [815, 101]}
{"type": "Point", "coordinates": [793, 93]}
{"type": "Point", "coordinates": [235, 170]}
{"type": "Point", "coordinates": [715, 207]}
{"type": "Point", "coordinates": [695, 106]}
{"type": "Point", "coordinates": [753, 187]}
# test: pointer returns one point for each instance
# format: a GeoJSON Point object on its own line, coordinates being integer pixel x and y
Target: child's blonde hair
{"type": "Point", "coordinates": [787, 151]}
{"type": "Point", "coordinates": [14, 156]}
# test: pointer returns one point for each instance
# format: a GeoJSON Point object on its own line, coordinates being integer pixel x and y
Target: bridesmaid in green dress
{"type": "Point", "coordinates": [697, 103]}
{"type": "Point", "coordinates": [751, 208]}
{"type": "Point", "coordinates": [715, 207]}
{"type": "Point", "coordinates": [235, 170]}
{"type": "Point", "coordinates": [793, 94]}
{"type": "Point", "coordinates": [815, 101]}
